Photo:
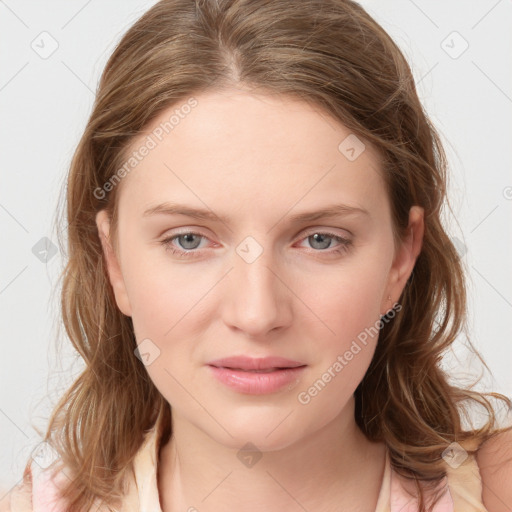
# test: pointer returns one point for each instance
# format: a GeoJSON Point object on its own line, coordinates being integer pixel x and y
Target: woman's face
{"type": "Point", "coordinates": [254, 280]}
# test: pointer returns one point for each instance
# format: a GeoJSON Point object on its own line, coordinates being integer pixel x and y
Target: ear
{"type": "Point", "coordinates": [112, 262]}
{"type": "Point", "coordinates": [405, 258]}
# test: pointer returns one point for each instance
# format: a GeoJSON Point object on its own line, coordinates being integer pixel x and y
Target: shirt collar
{"type": "Point", "coordinates": [144, 486]}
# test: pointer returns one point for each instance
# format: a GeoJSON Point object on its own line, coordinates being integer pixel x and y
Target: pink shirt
{"type": "Point", "coordinates": [463, 493]}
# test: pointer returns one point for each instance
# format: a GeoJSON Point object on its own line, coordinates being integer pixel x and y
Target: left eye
{"type": "Point", "coordinates": [319, 238]}
{"type": "Point", "coordinates": [190, 241]}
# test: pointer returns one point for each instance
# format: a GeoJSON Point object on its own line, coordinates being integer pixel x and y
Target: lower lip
{"type": "Point", "coordinates": [254, 383]}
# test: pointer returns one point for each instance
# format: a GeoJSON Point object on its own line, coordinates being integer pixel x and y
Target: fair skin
{"type": "Point", "coordinates": [258, 160]}
{"type": "Point", "coordinates": [494, 459]}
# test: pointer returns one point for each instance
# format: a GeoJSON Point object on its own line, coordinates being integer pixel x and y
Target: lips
{"type": "Point", "coordinates": [257, 365]}
{"type": "Point", "coordinates": [257, 376]}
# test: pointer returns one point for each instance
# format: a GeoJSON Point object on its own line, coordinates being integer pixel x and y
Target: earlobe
{"type": "Point", "coordinates": [406, 256]}
{"type": "Point", "coordinates": [112, 263]}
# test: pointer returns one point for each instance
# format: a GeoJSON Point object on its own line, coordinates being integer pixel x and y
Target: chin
{"type": "Point", "coordinates": [264, 429]}
{"type": "Point", "coordinates": [246, 438]}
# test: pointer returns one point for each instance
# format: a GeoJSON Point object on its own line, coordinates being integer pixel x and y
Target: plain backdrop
{"type": "Point", "coordinates": [51, 57]}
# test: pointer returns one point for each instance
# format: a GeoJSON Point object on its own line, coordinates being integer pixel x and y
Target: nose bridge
{"type": "Point", "coordinates": [257, 296]}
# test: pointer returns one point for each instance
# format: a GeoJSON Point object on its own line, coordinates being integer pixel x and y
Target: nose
{"type": "Point", "coordinates": [258, 298]}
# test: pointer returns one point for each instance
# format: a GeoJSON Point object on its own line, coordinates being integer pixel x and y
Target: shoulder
{"type": "Point", "coordinates": [16, 499]}
{"type": "Point", "coordinates": [37, 490]}
{"type": "Point", "coordinates": [494, 459]}
{"type": "Point", "coordinates": [5, 498]}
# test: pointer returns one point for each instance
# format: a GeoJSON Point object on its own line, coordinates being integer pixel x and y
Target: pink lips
{"type": "Point", "coordinates": [256, 376]}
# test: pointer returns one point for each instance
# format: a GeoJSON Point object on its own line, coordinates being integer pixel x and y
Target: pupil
{"type": "Point", "coordinates": [321, 239]}
{"type": "Point", "coordinates": [189, 239]}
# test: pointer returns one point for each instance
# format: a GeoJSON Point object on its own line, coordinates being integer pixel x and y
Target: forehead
{"type": "Point", "coordinates": [252, 151]}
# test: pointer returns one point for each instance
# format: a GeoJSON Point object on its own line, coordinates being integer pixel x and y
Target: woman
{"type": "Point", "coordinates": [259, 281]}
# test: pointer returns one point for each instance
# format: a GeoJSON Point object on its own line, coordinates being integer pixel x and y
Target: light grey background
{"type": "Point", "coordinates": [45, 102]}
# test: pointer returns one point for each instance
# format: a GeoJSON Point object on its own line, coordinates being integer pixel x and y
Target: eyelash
{"type": "Point", "coordinates": [193, 253]}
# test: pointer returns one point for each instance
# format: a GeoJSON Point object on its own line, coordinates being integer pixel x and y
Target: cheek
{"type": "Point", "coordinates": [163, 295]}
{"type": "Point", "coordinates": [349, 312]}
{"type": "Point", "coordinates": [166, 309]}
{"type": "Point", "coordinates": [347, 301]}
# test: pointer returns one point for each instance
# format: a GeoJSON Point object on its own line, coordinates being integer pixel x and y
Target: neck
{"type": "Point", "coordinates": [329, 470]}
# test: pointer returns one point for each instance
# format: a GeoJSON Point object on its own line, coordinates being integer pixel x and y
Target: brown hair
{"type": "Point", "coordinates": [332, 54]}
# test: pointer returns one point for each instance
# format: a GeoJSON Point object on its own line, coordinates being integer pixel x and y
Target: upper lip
{"type": "Point", "coordinates": [254, 363]}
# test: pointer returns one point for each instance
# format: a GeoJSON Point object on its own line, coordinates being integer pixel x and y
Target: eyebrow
{"type": "Point", "coordinates": [335, 210]}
